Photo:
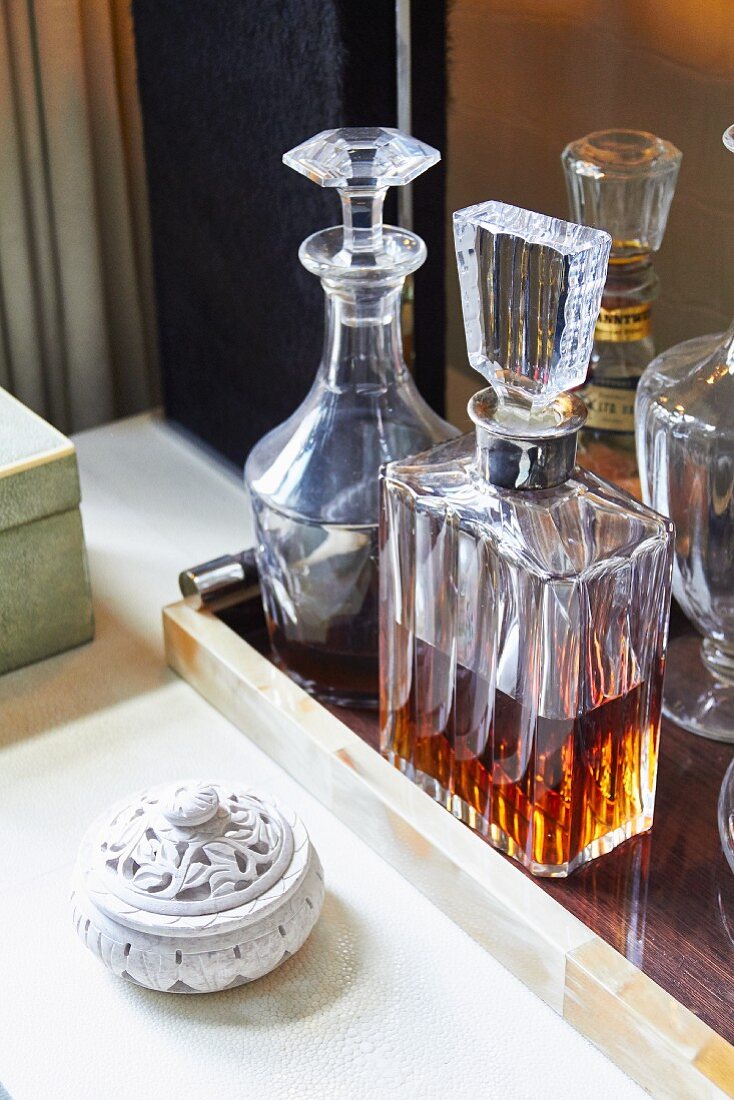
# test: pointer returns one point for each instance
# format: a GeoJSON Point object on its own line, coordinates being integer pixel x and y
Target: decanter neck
{"type": "Point", "coordinates": [363, 346]}
{"type": "Point", "coordinates": [518, 450]}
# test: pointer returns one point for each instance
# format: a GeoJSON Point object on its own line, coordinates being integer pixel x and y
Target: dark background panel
{"type": "Point", "coordinates": [429, 97]}
{"type": "Point", "coordinates": [226, 88]}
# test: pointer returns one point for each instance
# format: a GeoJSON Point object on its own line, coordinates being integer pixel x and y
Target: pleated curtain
{"type": "Point", "coordinates": [77, 333]}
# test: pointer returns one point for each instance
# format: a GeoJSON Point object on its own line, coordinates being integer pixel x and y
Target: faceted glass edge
{"type": "Point", "coordinates": [588, 157]}
{"type": "Point", "coordinates": [341, 158]}
{"type": "Point", "coordinates": [623, 181]}
{"type": "Point", "coordinates": [567, 238]}
{"type": "Point", "coordinates": [585, 251]}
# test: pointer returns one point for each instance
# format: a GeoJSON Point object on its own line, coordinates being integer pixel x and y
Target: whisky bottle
{"type": "Point", "coordinates": [622, 181]}
{"type": "Point", "coordinates": [524, 601]}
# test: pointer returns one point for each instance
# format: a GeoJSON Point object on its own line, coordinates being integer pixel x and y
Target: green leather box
{"type": "Point", "coordinates": [45, 600]}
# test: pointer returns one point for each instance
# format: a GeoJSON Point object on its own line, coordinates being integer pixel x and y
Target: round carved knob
{"type": "Point", "coordinates": [191, 804]}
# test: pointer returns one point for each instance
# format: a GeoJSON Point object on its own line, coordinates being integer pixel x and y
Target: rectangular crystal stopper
{"type": "Point", "coordinates": [531, 287]}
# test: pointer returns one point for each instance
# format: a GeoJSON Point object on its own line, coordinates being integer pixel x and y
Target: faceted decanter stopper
{"type": "Point", "coordinates": [531, 287]}
{"type": "Point", "coordinates": [623, 181]}
{"type": "Point", "coordinates": [362, 163]}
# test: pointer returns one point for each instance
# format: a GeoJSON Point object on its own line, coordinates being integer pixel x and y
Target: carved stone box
{"type": "Point", "coordinates": [196, 887]}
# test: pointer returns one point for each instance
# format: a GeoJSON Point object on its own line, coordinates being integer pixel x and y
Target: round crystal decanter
{"type": "Point", "coordinates": [313, 481]}
{"type": "Point", "coordinates": [685, 448]}
{"type": "Point", "coordinates": [622, 181]}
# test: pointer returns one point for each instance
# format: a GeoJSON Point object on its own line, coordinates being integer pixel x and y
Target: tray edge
{"type": "Point", "coordinates": [643, 1029]}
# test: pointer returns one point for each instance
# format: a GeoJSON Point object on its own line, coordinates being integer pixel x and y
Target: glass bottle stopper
{"type": "Point", "coordinates": [362, 163]}
{"type": "Point", "coordinates": [531, 287]}
{"type": "Point", "coordinates": [623, 181]}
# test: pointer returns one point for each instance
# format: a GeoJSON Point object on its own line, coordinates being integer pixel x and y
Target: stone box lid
{"type": "Point", "coordinates": [38, 468]}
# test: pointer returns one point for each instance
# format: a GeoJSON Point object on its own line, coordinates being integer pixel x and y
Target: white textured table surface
{"type": "Point", "coordinates": [387, 999]}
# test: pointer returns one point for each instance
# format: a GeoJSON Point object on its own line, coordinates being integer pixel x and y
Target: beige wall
{"type": "Point", "coordinates": [527, 76]}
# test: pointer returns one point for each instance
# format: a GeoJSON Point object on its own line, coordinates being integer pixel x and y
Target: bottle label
{"type": "Point", "coordinates": [624, 325]}
{"type": "Point", "coordinates": [611, 407]}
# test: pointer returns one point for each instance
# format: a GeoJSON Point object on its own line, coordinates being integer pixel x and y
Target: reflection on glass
{"type": "Point", "coordinates": [622, 896]}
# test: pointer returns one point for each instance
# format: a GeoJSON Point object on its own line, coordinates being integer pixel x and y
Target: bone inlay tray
{"type": "Point", "coordinates": [635, 950]}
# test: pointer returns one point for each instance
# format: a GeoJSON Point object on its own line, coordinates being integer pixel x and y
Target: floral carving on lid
{"type": "Point", "coordinates": [194, 848]}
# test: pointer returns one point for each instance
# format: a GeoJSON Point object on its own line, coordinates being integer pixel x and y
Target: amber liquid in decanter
{"type": "Point", "coordinates": [344, 663]}
{"type": "Point", "coordinates": [544, 799]}
{"type": "Point", "coordinates": [327, 667]}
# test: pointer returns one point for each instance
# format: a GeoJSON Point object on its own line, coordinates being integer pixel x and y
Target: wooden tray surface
{"type": "Point", "coordinates": [663, 901]}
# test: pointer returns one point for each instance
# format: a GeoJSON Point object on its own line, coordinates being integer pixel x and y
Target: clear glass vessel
{"type": "Point", "coordinates": [313, 480]}
{"type": "Point", "coordinates": [685, 447]}
{"type": "Point", "coordinates": [725, 814]}
{"type": "Point", "coordinates": [622, 181]}
{"type": "Point", "coordinates": [524, 601]}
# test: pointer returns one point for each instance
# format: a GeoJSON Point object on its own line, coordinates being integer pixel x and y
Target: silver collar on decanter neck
{"type": "Point", "coordinates": [520, 451]}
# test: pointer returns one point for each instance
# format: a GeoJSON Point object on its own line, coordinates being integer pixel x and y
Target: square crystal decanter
{"type": "Point", "coordinates": [524, 601]}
